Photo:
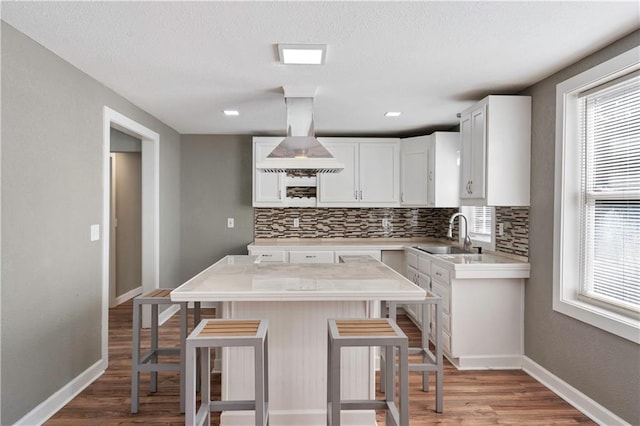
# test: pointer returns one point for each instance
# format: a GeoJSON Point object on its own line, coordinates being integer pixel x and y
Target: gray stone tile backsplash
{"type": "Point", "coordinates": [402, 223]}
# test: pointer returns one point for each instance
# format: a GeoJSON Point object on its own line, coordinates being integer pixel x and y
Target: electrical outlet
{"type": "Point", "coordinates": [386, 222]}
{"type": "Point", "coordinates": [501, 229]}
{"type": "Point", "coordinates": [296, 222]}
{"type": "Point", "coordinates": [230, 222]}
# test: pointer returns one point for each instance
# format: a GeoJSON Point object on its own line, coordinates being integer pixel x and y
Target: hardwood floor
{"type": "Point", "coordinates": [470, 397]}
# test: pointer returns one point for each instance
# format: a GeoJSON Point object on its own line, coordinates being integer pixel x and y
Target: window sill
{"type": "Point", "coordinates": [599, 317]}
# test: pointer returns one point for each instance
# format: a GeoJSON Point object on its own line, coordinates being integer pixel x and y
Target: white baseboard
{"type": "Point", "coordinates": [128, 295]}
{"type": "Point", "coordinates": [573, 396]}
{"type": "Point", "coordinates": [55, 402]}
{"type": "Point", "coordinates": [488, 362]}
{"type": "Point", "coordinates": [168, 313]}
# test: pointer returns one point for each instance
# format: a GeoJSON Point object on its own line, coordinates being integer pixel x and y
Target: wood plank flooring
{"type": "Point", "coordinates": [470, 397]}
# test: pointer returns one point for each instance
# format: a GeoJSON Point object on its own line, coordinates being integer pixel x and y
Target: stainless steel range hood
{"type": "Point", "coordinates": [300, 151]}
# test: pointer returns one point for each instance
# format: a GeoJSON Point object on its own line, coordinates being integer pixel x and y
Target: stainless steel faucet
{"type": "Point", "coordinates": [467, 240]}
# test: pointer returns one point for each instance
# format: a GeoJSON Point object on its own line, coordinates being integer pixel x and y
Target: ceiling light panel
{"type": "Point", "coordinates": [302, 54]}
{"type": "Point", "coordinates": [392, 114]}
{"type": "Point", "coordinates": [231, 112]}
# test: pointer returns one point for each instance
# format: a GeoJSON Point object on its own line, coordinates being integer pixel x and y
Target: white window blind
{"type": "Point", "coordinates": [610, 204]}
{"type": "Point", "coordinates": [481, 222]}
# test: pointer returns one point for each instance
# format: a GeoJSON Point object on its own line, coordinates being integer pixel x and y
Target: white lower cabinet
{"type": "Point", "coordinates": [483, 314]}
{"type": "Point", "coordinates": [308, 254]}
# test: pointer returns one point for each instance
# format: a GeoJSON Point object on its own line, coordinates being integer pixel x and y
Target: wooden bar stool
{"type": "Point", "coordinates": [149, 360]}
{"type": "Point", "coordinates": [431, 361]}
{"type": "Point", "coordinates": [368, 332]}
{"type": "Point", "coordinates": [218, 333]}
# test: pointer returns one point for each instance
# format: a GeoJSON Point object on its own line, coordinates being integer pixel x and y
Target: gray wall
{"type": "Point", "coordinates": [121, 142]}
{"type": "Point", "coordinates": [603, 366]}
{"type": "Point", "coordinates": [128, 212]}
{"type": "Point", "coordinates": [215, 185]}
{"type": "Point", "coordinates": [51, 193]}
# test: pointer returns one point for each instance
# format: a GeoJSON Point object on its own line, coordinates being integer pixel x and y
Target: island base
{"type": "Point", "coordinates": [298, 362]}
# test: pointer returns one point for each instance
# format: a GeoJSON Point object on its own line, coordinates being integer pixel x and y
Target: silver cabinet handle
{"type": "Point", "coordinates": [355, 194]}
{"type": "Point", "coordinates": [402, 197]}
{"type": "Point", "coordinates": [279, 194]}
{"type": "Point", "coordinates": [267, 255]}
{"type": "Point", "coordinates": [310, 257]}
{"type": "Point", "coordinates": [360, 194]}
{"type": "Point", "coordinates": [438, 274]}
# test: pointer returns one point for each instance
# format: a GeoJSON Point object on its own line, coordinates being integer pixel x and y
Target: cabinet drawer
{"type": "Point", "coordinates": [311, 257]}
{"type": "Point", "coordinates": [443, 292]}
{"type": "Point", "coordinates": [373, 253]}
{"type": "Point", "coordinates": [424, 265]}
{"type": "Point", "coordinates": [411, 259]}
{"type": "Point", "coordinates": [438, 273]}
{"type": "Point", "coordinates": [270, 255]}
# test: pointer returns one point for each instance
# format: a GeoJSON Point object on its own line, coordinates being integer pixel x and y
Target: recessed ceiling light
{"type": "Point", "coordinates": [231, 112]}
{"type": "Point", "coordinates": [392, 114]}
{"type": "Point", "coordinates": [302, 54]}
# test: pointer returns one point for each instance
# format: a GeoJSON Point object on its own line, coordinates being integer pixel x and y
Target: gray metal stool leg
{"type": "Point", "coordinates": [149, 361]}
{"type": "Point", "coordinates": [368, 333]}
{"type": "Point", "coordinates": [431, 361]}
{"type": "Point", "coordinates": [135, 358]}
{"type": "Point", "coordinates": [210, 334]}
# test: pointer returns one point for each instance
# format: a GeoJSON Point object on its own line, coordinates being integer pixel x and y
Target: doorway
{"type": "Point", "coordinates": [149, 172]}
{"type": "Point", "coordinates": [125, 243]}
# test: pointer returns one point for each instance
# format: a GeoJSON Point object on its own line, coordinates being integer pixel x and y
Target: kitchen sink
{"type": "Point", "coordinates": [443, 250]}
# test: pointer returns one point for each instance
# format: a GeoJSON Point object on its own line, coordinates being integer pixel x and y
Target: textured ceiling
{"type": "Point", "coordinates": [184, 62]}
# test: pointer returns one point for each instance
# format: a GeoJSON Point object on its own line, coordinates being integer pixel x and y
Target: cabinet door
{"type": "Point", "coordinates": [379, 174]}
{"type": "Point", "coordinates": [465, 156]}
{"type": "Point", "coordinates": [431, 172]}
{"type": "Point", "coordinates": [413, 175]}
{"type": "Point", "coordinates": [268, 188]}
{"type": "Point", "coordinates": [340, 189]}
{"type": "Point", "coordinates": [473, 137]}
{"type": "Point", "coordinates": [478, 152]}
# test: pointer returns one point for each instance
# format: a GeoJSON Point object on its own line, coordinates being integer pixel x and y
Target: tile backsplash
{"type": "Point", "coordinates": [515, 221]}
{"type": "Point", "coordinates": [351, 222]}
{"type": "Point", "coordinates": [402, 223]}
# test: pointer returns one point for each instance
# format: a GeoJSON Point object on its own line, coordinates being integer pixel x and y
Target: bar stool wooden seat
{"type": "Point", "coordinates": [218, 333]}
{"type": "Point", "coordinates": [382, 332]}
{"type": "Point", "coordinates": [431, 360]}
{"type": "Point", "coordinates": [148, 362]}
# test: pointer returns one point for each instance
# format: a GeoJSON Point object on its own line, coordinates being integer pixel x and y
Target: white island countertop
{"type": "Point", "coordinates": [244, 278]}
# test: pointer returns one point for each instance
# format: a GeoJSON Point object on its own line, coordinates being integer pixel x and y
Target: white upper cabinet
{"type": "Point", "coordinates": [268, 188]}
{"type": "Point", "coordinates": [414, 162]}
{"type": "Point", "coordinates": [495, 139]}
{"type": "Point", "coordinates": [371, 177]}
{"type": "Point", "coordinates": [430, 170]}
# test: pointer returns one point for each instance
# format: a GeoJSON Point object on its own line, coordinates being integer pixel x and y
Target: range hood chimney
{"type": "Point", "coordinates": [300, 151]}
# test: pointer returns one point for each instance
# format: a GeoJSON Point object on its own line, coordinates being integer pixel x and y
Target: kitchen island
{"type": "Point", "coordinates": [298, 299]}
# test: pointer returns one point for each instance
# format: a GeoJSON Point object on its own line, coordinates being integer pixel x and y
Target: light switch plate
{"type": "Point", "coordinates": [230, 222]}
{"type": "Point", "coordinates": [95, 232]}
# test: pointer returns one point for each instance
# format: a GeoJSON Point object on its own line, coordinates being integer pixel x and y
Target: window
{"type": "Point", "coordinates": [481, 220]}
{"type": "Point", "coordinates": [597, 205]}
{"type": "Point", "coordinates": [610, 205]}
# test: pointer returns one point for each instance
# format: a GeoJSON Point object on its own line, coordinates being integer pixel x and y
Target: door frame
{"type": "Point", "coordinates": [150, 208]}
